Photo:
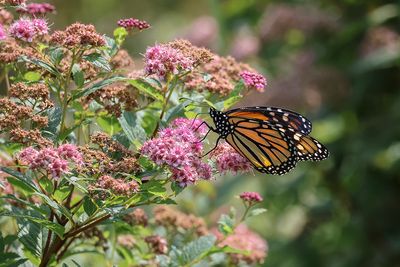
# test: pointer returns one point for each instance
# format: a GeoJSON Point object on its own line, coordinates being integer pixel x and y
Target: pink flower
{"type": "Point", "coordinates": [163, 60]}
{"type": "Point", "coordinates": [227, 159]}
{"type": "Point", "coordinates": [23, 29]}
{"type": "Point", "coordinates": [251, 197]}
{"type": "Point", "coordinates": [254, 80]}
{"type": "Point", "coordinates": [55, 161]}
{"type": "Point", "coordinates": [131, 23]}
{"type": "Point", "coordinates": [246, 240]}
{"type": "Point", "coordinates": [36, 8]}
{"type": "Point", "coordinates": [27, 30]}
{"type": "Point", "coordinates": [3, 34]}
{"type": "Point", "coordinates": [179, 148]}
{"type": "Point", "coordinates": [41, 26]}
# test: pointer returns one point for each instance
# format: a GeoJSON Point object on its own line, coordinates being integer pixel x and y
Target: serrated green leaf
{"type": "Point", "coordinates": [98, 60]}
{"type": "Point", "coordinates": [61, 193]}
{"type": "Point", "coordinates": [232, 101]}
{"type": "Point", "coordinates": [54, 116]}
{"type": "Point", "coordinates": [20, 185]}
{"type": "Point", "coordinates": [146, 88]}
{"type": "Point", "coordinates": [197, 249]}
{"type": "Point", "coordinates": [97, 86]}
{"type": "Point", "coordinates": [112, 46]}
{"type": "Point", "coordinates": [176, 111]}
{"type": "Point", "coordinates": [32, 76]}
{"type": "Point", "coordinates": [78, 75]}
{"type": "Point", "coordinates": [24, 202]}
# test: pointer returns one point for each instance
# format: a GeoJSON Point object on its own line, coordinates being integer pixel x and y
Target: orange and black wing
{"type": "Point", "coordinates": [268, 148]}
{"type": "Point", "coordinates": [281, 118]}
{"type": "Point", "coordinates": [309, 148]}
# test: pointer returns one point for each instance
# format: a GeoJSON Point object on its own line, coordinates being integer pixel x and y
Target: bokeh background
{"type": "Point", "coordinates": [335, 61]}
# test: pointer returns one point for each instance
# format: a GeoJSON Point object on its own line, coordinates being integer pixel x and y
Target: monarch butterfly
{"type": "Point", "coordinates": [272, 139]}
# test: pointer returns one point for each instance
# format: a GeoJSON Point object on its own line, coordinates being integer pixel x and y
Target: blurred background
{"type": "Point", "coordinates": [335, 61]}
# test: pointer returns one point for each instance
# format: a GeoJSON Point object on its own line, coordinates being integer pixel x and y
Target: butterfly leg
{"type": "Point", "coordinates": [216, 144]}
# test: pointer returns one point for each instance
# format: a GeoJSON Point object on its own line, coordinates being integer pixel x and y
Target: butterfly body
{"type": "Point", "coordinates": [272, 139]}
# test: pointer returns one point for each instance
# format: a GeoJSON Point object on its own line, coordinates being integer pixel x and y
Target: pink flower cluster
{"type": "Point", "coordinates": [251, 197]}
{"type": "Point", "coordinates": [179, 148]}
{"type": "Point", "coordinates": [131, 23]}
{"type": "Point", "coordinates": [163, 60]}
{"type": "Point", "coordinates": [28, 29]}
{"type": "Point", "coordinates": [3, 34]}
{"type": "Point", "coordinates": [117, 186]}
{"type": "Point", "coordinates": [227, 159]}
{"type": "Point", "coordinates": [36, 8]}
{"type": "Point", "coordinates": [254, 80]}
{"type": "Point", "coordinates": [55, 161]}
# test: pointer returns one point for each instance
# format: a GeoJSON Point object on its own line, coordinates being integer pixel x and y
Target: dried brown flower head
{"type": "Point", "coordinates": [169, 217]}
{"type": "Point", "coordinates": [137, 217]}
{"type": "Point", "coordinates": [198, 55]}
{"type": "Point", "coordinates": [29, 137]}
{"type": "Point", "coordinates": [157, 243]}
{"type": "Point", "coordinates": [224, 73]}
{"type": "Point", "coordinates": [37, 92]}
{"type": "Point", "coordinates": [108, 145]}
{"type": "Point", "coordinates": [122, 60]}
{"type": "Point", "coordinates": [78, 34]}
{"type": "Point", "coordinates": [5, 17]}
{"type": "Point", "coordinates": [115, 98]}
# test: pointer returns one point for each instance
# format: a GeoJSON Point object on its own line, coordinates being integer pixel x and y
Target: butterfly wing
{"type": "Point", "coordinates": [265, 146]}
{"type": "Point", "coordinates": [309, 148]}
{"type": "Point", "coordinates": [281, 118]}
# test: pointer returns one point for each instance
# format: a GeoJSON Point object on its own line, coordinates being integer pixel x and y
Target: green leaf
{"type": "Point", "coordinates": [146, 88]}
{"type": "Point", "coordinates": [112, 46]}
{"type": "Point", "coordinates": [61, 193]}
{"type": "Point", "coordinates": [226, 224]}
{"type": "Point", "coordinates": [56, 55]}
{"type": "Point", "coordinates": [255, 212]}
{"type": "Point", "coordinates": [120, 34]}
{"type": "Point", "coordinates": [97, 86]}
{"type": "Point", "coordinates": [32, 76]}
{"type": "Point", "coordinates": [20, 185]}
{"type": "Point", "coordinates": [197, 249]}
{"type": "Point", "coordinates": [98, 60]}
{"type": "Point", "coordinates": [25, 181]}
{"type": "Point", "coordinates": [78, 75]}
{"type": "Point", "coordinates": [57, 228]}
{"type": "Point", "coordinates": [155, 187]}
{"type": "Point", "coordinates": [42, 64]}
{"type": "Point", "coordinates": [46, 184]}
{"type": "Point", "coordinates": [54, 115]}
{"type": "Point", "coordinates": [30, 235]}
{"type": "Point", "coordinates": [109, 124]}
{"type": "Point", "coordinates": [176, 111]}
{"type": "Point", "coordinates": [88, 206]}
{"type": "Point", "coordinates": [28, 204]}
{"type": "Point", "coordinates": [132, 128]}
{"type": "Point", "coordinates": [176, 188]}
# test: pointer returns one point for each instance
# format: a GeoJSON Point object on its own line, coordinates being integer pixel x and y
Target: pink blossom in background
{"type": "Point", "coordinates": [179, 148]}
{"type": "Point", "coordinates": [254, 80]}
{"type": "Point", "coordinates": [41, 26]}
{"type": "Point", "coordinates": [3, 34]}
{"type": "Point", "coordinates": [26, 29]}
{"type": "Point", "coordinates": [23, 29]}
{"type": "Point", "coordinates": [246, 240]}
{"type": "Point", "coordinates": [252, 197]}
{"type": "Point", "coordinates": [131, 23]}
{"type": "Point", "coordinates": [162, 60]}
{"type": "Point", "coordinates": [56, 161]}
{"type": "Point", "coordinates": [36, 8]}
{"type": "Point", "coordinates": [228, 160]}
